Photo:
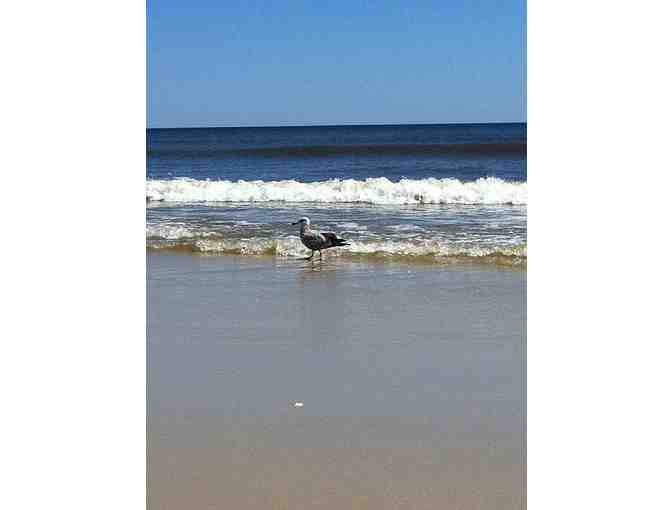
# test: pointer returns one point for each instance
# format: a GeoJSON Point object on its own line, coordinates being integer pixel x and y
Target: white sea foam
{"type": "Point", "coordinates": [244, 223]}
{"type": "Point", "coordinates": [378, 190]}
{"type": "Point", "coordinates": [292, 247]}
{"type": "Point", "coordinates": [434, 249]}
{"type": "Point", "coordinates": [351, 226]}
{"type": "Point", "coordinates": [404, 228]}
{"type": "Point", "coordinates": [170, 232]}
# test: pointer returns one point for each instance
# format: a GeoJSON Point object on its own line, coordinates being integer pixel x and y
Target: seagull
{"type": "Point", "coordinates": [317, 241]}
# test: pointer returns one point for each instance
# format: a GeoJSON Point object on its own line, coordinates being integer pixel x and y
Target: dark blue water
{"type": "Point", "coordinates": [440, 191]}
{"type": "Point", "coordinates": [463, 151]}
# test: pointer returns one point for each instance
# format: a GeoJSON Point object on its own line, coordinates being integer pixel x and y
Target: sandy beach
{"type": "Point", "coordinates": [411, 376]}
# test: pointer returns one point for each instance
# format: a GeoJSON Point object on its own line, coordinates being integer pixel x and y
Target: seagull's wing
{"type": "Point", "coordinates": [333, 239]}
{"type": "Point", "coordinates": [313, 240]}
{"type": "Point", "coordinates": [329, 236]}
{"type": "Point", "coordinates": [314, 236]}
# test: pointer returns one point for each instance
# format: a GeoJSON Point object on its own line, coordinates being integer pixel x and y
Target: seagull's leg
{"type": "Point", "coordinates": [320, 255]}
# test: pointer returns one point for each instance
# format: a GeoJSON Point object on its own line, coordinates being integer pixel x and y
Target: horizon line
{"type": "Point", "coordinates": [340, 125]}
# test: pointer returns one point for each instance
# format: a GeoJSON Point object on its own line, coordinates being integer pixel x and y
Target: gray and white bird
{"type": "Point", "coordinates": [317, 241]}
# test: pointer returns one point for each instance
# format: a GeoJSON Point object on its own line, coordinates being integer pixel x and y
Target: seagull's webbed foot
{"type": "Point", "coordinates": [311, 256]}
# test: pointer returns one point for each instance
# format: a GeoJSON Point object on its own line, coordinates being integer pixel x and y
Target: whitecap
{"type": "Point", "coordinates": [379, 190]}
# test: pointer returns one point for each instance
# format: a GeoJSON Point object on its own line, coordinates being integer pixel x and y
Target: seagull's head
{"type": "Point", "coordinates": [303, 221]}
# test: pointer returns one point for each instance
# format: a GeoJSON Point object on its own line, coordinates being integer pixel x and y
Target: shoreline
{"type": "Point", "coordinates": [501, 261]}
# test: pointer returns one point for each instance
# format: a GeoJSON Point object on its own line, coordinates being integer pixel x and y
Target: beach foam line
{"type": "Point", "coordinates": [378, 190]}
{"type": "Point", "coordinates": [292, 247]}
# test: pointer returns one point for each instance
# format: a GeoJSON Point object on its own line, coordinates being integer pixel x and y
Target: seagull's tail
{"type": "Point", "coordinates": [341, 242]}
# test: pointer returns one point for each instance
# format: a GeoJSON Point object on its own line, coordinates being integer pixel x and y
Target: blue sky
{"type": "Point", "coordinates": [249, 63]}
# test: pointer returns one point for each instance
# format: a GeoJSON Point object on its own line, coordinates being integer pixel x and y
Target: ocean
{"type": "Point", "coordinates": [431, 193]}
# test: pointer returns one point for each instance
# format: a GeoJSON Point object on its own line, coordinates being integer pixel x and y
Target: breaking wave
{"type": "Point", "coordinates": [379, 190]}
{"type": "Point", "coordinates": [512, 254]}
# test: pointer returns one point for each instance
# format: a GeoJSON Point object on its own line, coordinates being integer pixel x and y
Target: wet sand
{"type": "Point", "coordinates": [411, 375]}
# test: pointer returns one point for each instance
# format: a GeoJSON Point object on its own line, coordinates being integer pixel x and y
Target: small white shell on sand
{"type": "Point", "coordinates": [298, 404]}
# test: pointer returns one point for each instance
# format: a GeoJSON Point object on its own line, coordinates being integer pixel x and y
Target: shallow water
{"type": "Point", "coordinates": [412, 378]}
